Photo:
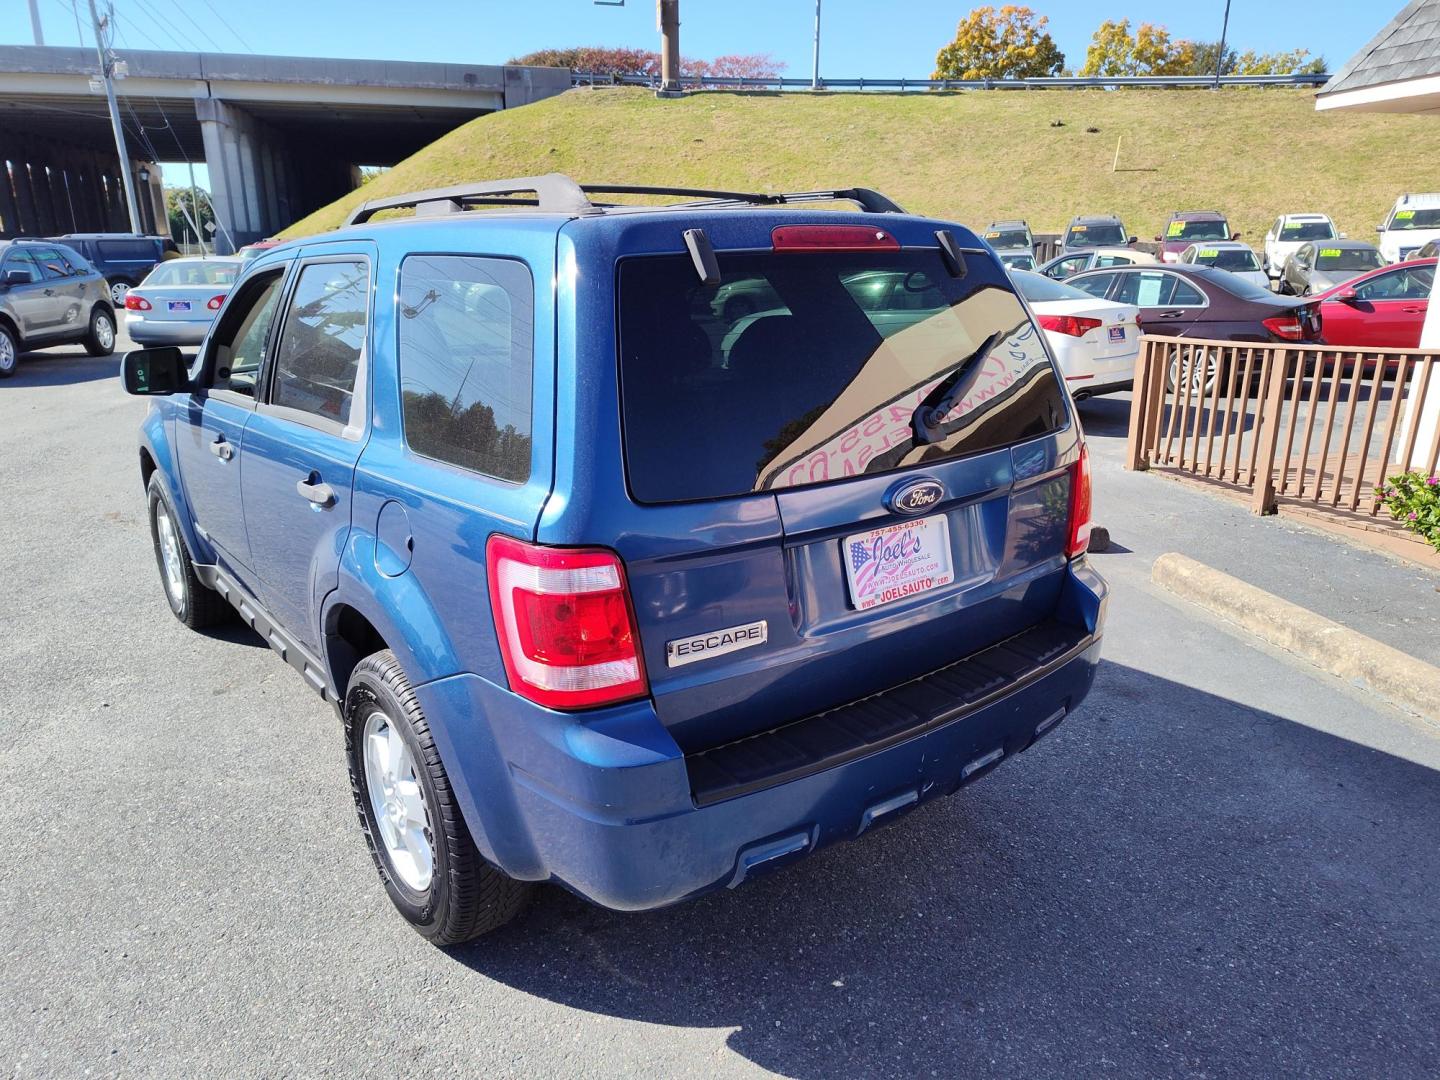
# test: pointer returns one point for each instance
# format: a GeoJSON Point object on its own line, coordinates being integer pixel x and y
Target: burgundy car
{"type": "Point", "coordinates": [1201, 302]}
{"type": "Point", "coordinates": [1192, 227]}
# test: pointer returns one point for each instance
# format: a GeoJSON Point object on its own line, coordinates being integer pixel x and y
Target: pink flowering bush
{"type": "Point", "coordinates": [1413, 499]}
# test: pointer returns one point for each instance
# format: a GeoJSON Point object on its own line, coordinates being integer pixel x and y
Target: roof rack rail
{"type": "Point", "coordinates": [557, 192]}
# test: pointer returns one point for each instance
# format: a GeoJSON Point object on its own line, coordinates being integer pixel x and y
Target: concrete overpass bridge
{"type": "Point", "coordinates": [281, 136]}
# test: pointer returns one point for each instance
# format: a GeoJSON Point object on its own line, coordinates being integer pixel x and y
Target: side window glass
{"type": "Point", "coordinates": [1185, 294]}
{"type": "Point", "coordinates": [19, 259]}
{"type": "Point", "coordinates": [1416, 283]}
{"type": "Point", "coordinates": [52, 263]}
{"type": "Point", "coordinates": [1383, 287]}
{"type": "Point", "coordinates": [241, 338]}
{"type": "Point", "coordinates": [466, 359]}
{"type": "Point", "coordinates": [318, 359]}
{"type": "Point", "coordinates": [1129, 290]}
{"type": "Point", "coordinates": [1095, 284]}
{"type": "Point", "coordinates": [1152, 289]}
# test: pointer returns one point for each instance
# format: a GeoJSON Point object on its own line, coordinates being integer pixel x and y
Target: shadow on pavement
{"type": "Point", "coordinates": [62, 368]}
{"type": "Point", "coordinates": [1245, 896]}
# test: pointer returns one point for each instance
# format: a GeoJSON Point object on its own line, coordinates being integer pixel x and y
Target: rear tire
{"type": "Point", "coordinates": [118, 291]}
{"type": "Point", "coordinates": [9, 352]}
{"type": "Point", "coordinates": [190, 601]}
{"type": "Point", "coordinates": [1201, 372]}
{"type": "Point", "coordinates": [411, 819]}
{"type": "Point", "coordinates": [100, 338]}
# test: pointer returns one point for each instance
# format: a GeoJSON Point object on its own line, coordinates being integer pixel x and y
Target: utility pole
{"type": "Point", "coordinates": [1220, 54]}
{"type": "Point", "coordinates": [667, 14]}
{"type": "Point", "coordinates": [107, 71]}
{"type": "Point", "coordinates": [35, 22]}
{"type": "Point", "coordinates": [815, 68]}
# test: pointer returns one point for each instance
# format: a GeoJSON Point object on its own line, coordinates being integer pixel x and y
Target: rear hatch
{"type": "Point", "coordinates": [854, 483]}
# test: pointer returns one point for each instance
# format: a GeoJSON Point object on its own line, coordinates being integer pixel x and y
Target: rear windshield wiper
{"type": "Point", "coordinates": [925, 421]}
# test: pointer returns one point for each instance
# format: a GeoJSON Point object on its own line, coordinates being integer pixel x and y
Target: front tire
{"type": "Point", "coordinates": [9, 352]}
{"type": "Point", "coordinates": [411, 819]}
{"type": "Point", "coordinates": [100, 338]}
{"type": "Point", "coordinates": [190, 601]}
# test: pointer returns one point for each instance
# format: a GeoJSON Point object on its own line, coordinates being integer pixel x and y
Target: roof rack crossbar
{"type": "Point", "coordinates": [553, 191]}
{"type": "Point", "coordinates": [557, 192]}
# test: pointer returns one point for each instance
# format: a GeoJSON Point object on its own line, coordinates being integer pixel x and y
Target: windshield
{"type": "Point", "coordinates": [1096, 236]}
{"type": "Point", "coordinates": [1197, 230]}
{"type": "Point", "coordinates": [1234, 259]}
{"type": "Point", "coordinates": [1348, 259]}
{"type": "Point", "coordinates": [823, 382]}
{"type": "Point", "coordinates": [183, 272]}
{"type": "Point", "coordinates": [1300, 231]}
{"type": "Point", "coordinates": [1008, 238]}
{"type": "Point", "coordinates": [1416, 219]}
{"type": "Point", "coordinates": [1038, 287]}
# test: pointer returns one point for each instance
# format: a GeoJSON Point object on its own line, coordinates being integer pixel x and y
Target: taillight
{"type": "Point", "coordinates": [831, 238]}
{"type": "Point", "coordinates": [1080, 486]}
{"type": "Point", "coordinates": [215, 301]}
{"type": "Point", "coordinates": [136, 303]}
{"type": "Point", "coordinates": [566, 629]}
{"type": "Point", "coordinates": [1073, 325]}
{"type": "Point", "coordinates": [1285, 327]}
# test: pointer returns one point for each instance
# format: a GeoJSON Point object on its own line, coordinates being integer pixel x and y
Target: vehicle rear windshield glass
{"type": "Point", "coordinates": [799, 369]}
{"type": "Point", "coordinates": [1007, 238]}
{"type": "Point", "coordinates": [1038, 287]}
{"type": "Point", "coordinates": [1096, 236]}
{"type": "Point", "coordinates": [1197, 230]}
{"type": "Point", "coordinates": [1227, 259]}
{"type": "Point", "coordinates": [1348, 259]}
{"type": "Point", "coordinates": [180, 272]}
{"type": "Point", "coordinates": [1416, 219]}
{"type": "Point", "coordinates": [1306, 230]}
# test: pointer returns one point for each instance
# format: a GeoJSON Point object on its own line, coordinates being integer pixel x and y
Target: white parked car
{"type": "Point", "coordinates": [1077, 262]}
{"type": "Point", "coordinates": [1229, 255]}
{"type": "Point", "coordinates": [1290, 231]}
{"type": "Point", "coordinates": [1413, 222]}
{"type": "Point", "coordinates": [179, 299]}
{"type": "Point", "coordinates": [1095, 342]}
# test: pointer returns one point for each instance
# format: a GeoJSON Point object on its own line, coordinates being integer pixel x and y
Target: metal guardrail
{"type": "Point", "coordinates": [1095, 82]}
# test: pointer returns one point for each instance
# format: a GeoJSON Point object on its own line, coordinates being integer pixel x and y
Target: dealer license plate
{"type": "Point", "coordinates": [1117, 333]}
{"type": "Point", "coordinates": [898, 561]}
{"type": "Point", "coordinates": [179, 305]}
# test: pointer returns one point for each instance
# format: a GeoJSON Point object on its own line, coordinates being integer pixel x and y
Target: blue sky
{"type": "Point", "coordinates": [860, 37]}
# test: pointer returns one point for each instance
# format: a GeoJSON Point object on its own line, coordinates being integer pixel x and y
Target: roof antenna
{"type": "Point", "coordinates": [950, 251]}
{"type": "Point", "coordinates": [703, 256]}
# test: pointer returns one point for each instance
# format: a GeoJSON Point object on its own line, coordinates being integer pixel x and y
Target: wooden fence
{"type": "Point", "coordinates": [1304, 425]}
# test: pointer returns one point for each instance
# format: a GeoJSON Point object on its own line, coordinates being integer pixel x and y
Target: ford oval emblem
{"type": "Point", "coordinates": [915, 496]}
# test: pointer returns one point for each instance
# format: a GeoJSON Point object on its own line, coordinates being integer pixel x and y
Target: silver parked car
{"type": "Point", "coordinates": [1319, 265]}
{"type": "Point", "coordinates": [49, 295]}
{"type": "Point", "coordinates": [178, 300]}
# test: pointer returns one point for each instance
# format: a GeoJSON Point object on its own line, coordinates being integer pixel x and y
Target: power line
{"type": "Point", "coordinates": [223, 22]}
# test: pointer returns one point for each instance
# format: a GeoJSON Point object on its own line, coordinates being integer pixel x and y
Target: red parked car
{"type": "Point", "coordinates": [1383, 309]}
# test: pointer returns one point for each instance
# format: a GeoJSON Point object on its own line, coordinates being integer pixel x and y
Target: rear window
{"type": "Point", "coordinates": [1038, 287]}
{"type": "Point", "coordinates": [181, 272]}
{"type": "Point", "coordinates": [817, 375]}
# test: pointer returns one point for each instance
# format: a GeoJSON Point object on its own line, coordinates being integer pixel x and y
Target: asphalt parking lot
{"type": "Point", "coordinates": [1223, 865]}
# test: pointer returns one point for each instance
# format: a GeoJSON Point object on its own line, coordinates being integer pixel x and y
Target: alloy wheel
{"type": "Point", "coordinates": [118, 291]}
{"type": "Point", "coordinates": [173, 564]}
{"type": "Point", "coordinates": [398, 803]}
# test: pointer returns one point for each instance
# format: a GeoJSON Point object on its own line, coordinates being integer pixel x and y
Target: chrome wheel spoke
{"type": "Point", "coordinates": [398, 802]}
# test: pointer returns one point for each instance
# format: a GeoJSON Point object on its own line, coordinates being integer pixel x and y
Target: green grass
{"type": "Point", "coordinates": [971, 157]}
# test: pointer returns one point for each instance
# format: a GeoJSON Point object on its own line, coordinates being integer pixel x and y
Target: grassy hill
{"type": "Point", "coordinates": [971, 157]}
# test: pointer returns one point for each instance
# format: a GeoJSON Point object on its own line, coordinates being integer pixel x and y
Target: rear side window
{"type": "Point", "coordinates": [818, 375]}
{"type": "Point", "coordinates": [318, 359]}
{"type": "Point", "coordinates": [128, 250]}
{"type": "Point", "coordinates": [52, 263]}
{"type": "Point", "coordinates": [467, 349]}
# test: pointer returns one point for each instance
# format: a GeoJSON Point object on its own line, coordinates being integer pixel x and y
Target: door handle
{"type": "Point", "coordinates": [49, 292]}
{"type": "Point", "coordinates": [222, 449]}
{"type": "Point", "coordinates": [1412, 310]}
{"type": "Point", "coordinates": [1171, 314]}
{"type": "Point", "coordinates": [316, 491]}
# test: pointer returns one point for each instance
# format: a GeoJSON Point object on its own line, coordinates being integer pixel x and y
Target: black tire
{"type": "Point", "coordinates": [466, 896]}
{"type": "Point", "coordinates": [99, 342]}
{"type": "Point", "coordinates": [9, 352]}
{"type": "Point", "coordinates": [190, 601]}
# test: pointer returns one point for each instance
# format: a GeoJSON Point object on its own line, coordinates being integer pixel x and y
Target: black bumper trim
{"type": "Point", "coordinates": [823, 741]}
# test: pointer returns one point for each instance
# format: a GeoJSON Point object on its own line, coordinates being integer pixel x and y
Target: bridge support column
{"type": "Point", "coordinates": [249, 180]}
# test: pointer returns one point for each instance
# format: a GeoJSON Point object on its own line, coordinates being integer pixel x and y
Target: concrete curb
{"type": "Point", "coordinates": [1404, 681]}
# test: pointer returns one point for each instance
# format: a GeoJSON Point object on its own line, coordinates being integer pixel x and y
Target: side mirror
{"type": "Point", "coordinates": [155, 372]}
{"type": "Point", "coordinates": [1344, 236]}
{"type": "Point", "coordinates": [1347, 296]}
{"type": "Point", "coordinates": [19, 277]}
{"type": "Point", "coordinates": [1236, 235]}
{"type": "Point", "coordinates": [1380, 228]}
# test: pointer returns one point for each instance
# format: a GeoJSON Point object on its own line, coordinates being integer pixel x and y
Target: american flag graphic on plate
{"type": "Point", "coordinates": [897, 561]}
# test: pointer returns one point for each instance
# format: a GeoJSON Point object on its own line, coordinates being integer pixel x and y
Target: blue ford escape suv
{"type": "Point", "coordinates": [615, 584]}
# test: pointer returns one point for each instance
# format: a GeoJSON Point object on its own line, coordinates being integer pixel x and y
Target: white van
{"type": "Point", "coordinates": [1288, 233]}
{"type": "Point", "coordinates": [1413, 221]}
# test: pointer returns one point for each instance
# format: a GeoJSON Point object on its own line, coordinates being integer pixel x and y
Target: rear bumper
{"type": "Point", "coordinates": [144, 331]}
{"type": "Point", "coordinates": [608, 805]}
